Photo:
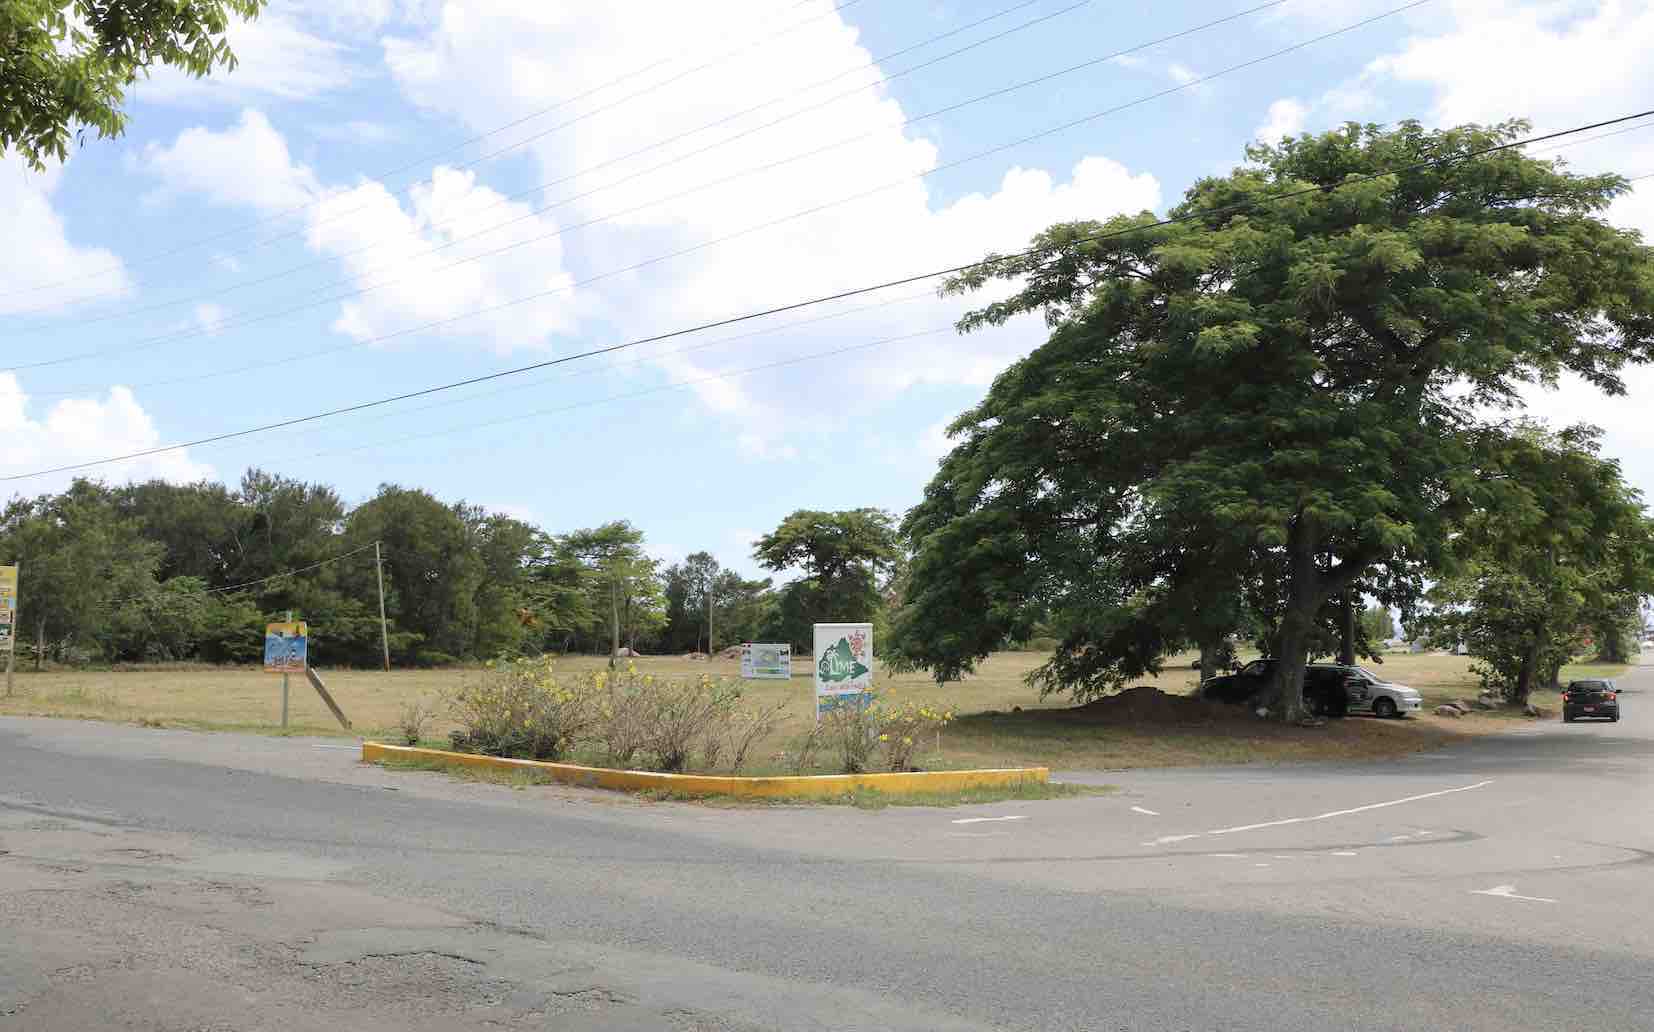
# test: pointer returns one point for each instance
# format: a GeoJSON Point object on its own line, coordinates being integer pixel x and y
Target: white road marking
{"type": "Point", "coordinates": [1509, 892]}
{"type": "Point", "coordinates": [1139, 809]}
{"type": "Point", "coordinates": [1229, 856]}
{"type": "Point", "coordinates": [1260, 865]}
{"type": "Point", "coordinates": [1283, 858]}
{"type": "Point", "coordinates": [348, 748]}
{"type": "Point", "coordinates": [1162, 840]}
{"type": "Point", "coordinates": [1346, 813]}
{"type": "Point", "coordinates": [1343, 852]}
{"type": "Point", "coordinates": [987, 820]}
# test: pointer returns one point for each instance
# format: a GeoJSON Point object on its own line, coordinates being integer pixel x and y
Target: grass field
{"type": "Point", "coordinates": [1002, 721]}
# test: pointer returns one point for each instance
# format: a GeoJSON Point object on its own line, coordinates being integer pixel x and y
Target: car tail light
{"type": "Point", "coordinates": [1564, 696]}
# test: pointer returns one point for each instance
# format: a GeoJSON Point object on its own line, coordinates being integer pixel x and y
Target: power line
{"type": "Point", "coordinates": [1204, 213]}
{"type": "Point", "coordinates": [681, 252]}
{"type": "Point", "coordinates": [726, 55]}
{"type": "Point", "coordinates": [252, 583]}
{"type": "Point", "coordinates": [657, 389]}
{"type": "Point", "coordinates": [744, 134]}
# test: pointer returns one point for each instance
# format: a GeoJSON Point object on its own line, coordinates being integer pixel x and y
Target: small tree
{"type": "Point", "coordinates": [842, 555]}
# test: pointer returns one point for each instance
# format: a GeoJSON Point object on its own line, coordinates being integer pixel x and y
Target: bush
{"type": "Point", "coordinates": [414, 716]}
{"type": "Point", "coordinates": [903, 730]}
{"type": "Point", "coordinates": [852, 732]}
{"type": "Point", "coordinates": [522, 710]}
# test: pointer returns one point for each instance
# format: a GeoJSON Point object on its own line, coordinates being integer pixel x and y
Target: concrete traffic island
{"type": "Point", "coordinates": [814, 786]}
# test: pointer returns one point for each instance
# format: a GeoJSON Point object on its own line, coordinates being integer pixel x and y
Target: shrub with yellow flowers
{"type": "Point", "coordinates": [905, 728]}
{"type": "Point", "coordinates": [523, 709]}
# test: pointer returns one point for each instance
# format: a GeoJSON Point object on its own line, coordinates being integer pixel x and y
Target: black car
{"type": "Point", "coordinates": [1324, 692]}
{"type": "Point", "coordinates": [1597, 699]}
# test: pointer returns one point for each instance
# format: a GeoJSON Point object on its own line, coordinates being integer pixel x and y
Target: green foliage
{"type": "Point", "coordinates": [1377, 625]}
{"type": "Point", "coordinates": [65, 63]}
{"type": "Point", "coordinates": [1275, 402]}
{"type": "Point", "coordinates": [1558, 544]}
{"type": "Point", "coordinates": [842, 555]}
{"type": "Point", "coordinates": [522, 710]}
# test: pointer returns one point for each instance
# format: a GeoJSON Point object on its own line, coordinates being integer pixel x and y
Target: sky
{"type": "Point", "coordinates": [392, 194]}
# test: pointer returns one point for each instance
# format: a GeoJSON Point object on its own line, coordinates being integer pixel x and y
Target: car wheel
{"type": "Point", "coordinates": [1384, 708]}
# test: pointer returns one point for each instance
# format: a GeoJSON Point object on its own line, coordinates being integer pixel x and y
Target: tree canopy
{"type": "Point", "coordinates": [1278, 392]}
{"type": "Point", "coordinates": [67, 63]}
{"type": "Point", "coordinates": [842, 555]}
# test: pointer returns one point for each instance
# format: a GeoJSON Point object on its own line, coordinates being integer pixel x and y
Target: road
{"type": "Point", "coordinates": [159, 879]}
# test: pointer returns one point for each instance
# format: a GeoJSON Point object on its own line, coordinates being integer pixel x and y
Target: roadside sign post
{"type": "Point", "coordinates": [8, 620]}
{"type": "Point", "coordinates": [764, 661]}
{"type": "Point", "coordinates": [843, 666]}
{"type": "Point", "coordinates": [286, 650]}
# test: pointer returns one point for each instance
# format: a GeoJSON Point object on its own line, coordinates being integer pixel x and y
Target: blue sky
{"type": "Point", "coordinates": [315, 230]}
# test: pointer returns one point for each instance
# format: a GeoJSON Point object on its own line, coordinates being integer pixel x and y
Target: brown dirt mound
{"type": "Point", "coordinates": [1143, 705]}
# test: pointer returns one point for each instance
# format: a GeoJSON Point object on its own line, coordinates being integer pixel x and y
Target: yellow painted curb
{"type": "Point", "coordinates": [811, 786]}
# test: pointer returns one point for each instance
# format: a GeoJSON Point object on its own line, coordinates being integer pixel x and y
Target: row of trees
{"type": "Point", "coordinates": [158, 571]}
{"type": "Point", "coordinates": [1302, 390]}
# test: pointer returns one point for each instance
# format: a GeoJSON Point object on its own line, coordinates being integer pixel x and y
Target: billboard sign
{"type": "Point", "coordinates": [286, 648]}
{"type": "Point", "coordinates": [762, 661]}
{"type": "Point", "coordinates": [843, 665]}
{"type": "Point", "coordinates": [8, 607]}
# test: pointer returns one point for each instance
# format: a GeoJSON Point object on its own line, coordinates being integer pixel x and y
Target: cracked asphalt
{"type": "Point", "coordinates": [167, 880]}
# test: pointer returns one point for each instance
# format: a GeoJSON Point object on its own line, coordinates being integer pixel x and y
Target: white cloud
{"type": "Point", "coordinates": [79, 430]}
{"type": "Point", "coordinates": [278, 56]}
{"type": "Point", "coordinates": [210, 318]}
{"type": "Point", "coordinates": [408, 249]}
{"type": "Point", "coordinates": [1286, 118]}
{"type": "Point", "coordinates": [246, 165]}
{"type": "Point", "coordinates": [37, 249]}
{"type": "Point", "coordinates": [1181, 73]}
{"type": "Point", "coordinates": [490, 61]}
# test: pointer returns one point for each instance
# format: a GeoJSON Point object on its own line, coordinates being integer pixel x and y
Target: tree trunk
{"type": "Point", "coordinates": [614, 623]}
{"type": "Point", "coordinates": [1304, 597]}
{"type": "Point", "coordinates": [1527, 673]}
{"type": "Point", "coordinates": [39, 643]}
{"type": "Point", "coordinates": [1211, 652]}
{"type": "Point", "coordinates": [1346, 643]}
{"type": "Point", "coordinates": [709, 619]}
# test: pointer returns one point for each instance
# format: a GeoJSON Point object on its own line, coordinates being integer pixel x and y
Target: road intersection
{"type": "Point", "coordinates": [165, 879]}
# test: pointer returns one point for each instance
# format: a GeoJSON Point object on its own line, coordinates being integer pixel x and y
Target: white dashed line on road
{"type": "Point", "coordinates": [987, 820]}
{"type": "Point", "coordinates": [1139, 809]}
{"type": "Point", "coordinates": [1346, 813]}
{"type": "Point", "coordinates": [1509, 892]}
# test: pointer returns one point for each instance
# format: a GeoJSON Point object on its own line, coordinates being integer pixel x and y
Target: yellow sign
{"type": "Point", "coordinates": [8, 606]}
{"type": "Point", "coordinates": [286, 648]}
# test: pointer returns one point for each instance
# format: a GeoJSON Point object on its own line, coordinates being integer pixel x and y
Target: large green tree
{"type": "Point", "coordinates": [1557, 544]}
{"type": "Point", "coordinates": [1294, 366]}
{"type": "Point", "coordinates": [81, 559]}
{"type": "Point", "coordinates": [841, 554]}
{"type": "Point", "coordinates": [67, 63]}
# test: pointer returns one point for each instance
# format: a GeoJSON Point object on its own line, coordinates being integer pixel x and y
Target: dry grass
{"type": "Point", "coordinates": [1003, 722]}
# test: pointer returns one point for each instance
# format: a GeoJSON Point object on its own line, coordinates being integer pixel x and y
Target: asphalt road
{"type": "Point", "coordinates": [154, 879]}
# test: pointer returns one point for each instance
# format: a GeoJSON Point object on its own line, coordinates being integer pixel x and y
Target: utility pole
{"type": "Point", "coordinates": [709, 582]}
{"type": "Point", "coordinates": [384, 631]}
